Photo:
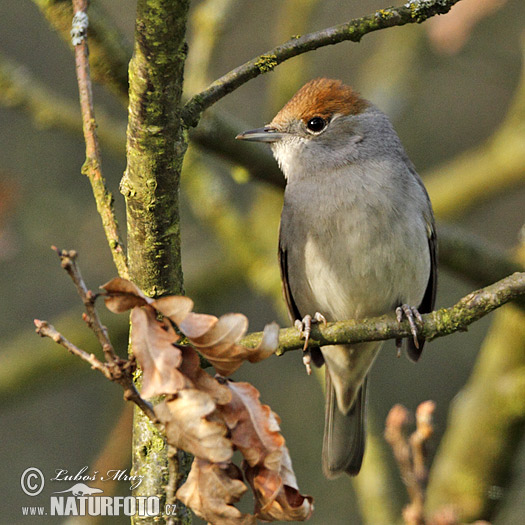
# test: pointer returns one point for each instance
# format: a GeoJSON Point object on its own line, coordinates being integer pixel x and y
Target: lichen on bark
{"type": "Point", "coordinates": [156, 144]}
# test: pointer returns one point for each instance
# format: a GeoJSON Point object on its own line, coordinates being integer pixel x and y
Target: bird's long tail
{"type": "Point", "coordinates": [344, 435]}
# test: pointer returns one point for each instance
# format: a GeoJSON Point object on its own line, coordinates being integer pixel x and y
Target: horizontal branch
{"type": "Point", "coordinates": [442, 322]}
{"type": "Point", "coordinates": [412, 12]}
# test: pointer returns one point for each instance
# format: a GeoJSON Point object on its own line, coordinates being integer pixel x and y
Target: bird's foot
{"type": "Point", "coordinates": [411, 313]}
{"type": "Point", "coordinates": [305, 327]}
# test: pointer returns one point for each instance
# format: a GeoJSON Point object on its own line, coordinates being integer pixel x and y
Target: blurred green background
{"type": "Point", "coordinates": [447, 85]}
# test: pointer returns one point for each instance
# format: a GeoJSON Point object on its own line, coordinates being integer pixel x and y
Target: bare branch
{"type": "Point", "coordinates": [92, 166]}
{"type": "Point", "coordinates": [115, 368]}
{"type": "Point", "coordinates": [442, 322]}
{"type": "Point", "coordinates": [44, 329]}
{"type": "Point", "coordinates": [410, 455]}
{"type": "Point", "coordinates": [412, 12]}
{"type": "Point", "coordinates": [68, 259]}
{"type": "Point", "coordinates": [109, 52]}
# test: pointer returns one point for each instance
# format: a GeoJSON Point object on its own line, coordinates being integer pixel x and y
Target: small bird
{"type": "Point", "coordinates": [357, 239]}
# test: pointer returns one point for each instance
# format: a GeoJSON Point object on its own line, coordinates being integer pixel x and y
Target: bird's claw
{"type": "Point", "coordinates": [411, 313]}
{"type": "Point", "coordinates": [305, 328]}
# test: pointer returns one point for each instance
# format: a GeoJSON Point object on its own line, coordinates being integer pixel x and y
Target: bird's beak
{"type": "Point", "coordinates": [266, 134]}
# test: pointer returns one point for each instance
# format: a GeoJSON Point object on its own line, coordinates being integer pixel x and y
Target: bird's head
{"type": "Point", "coordinates": [318, 129]}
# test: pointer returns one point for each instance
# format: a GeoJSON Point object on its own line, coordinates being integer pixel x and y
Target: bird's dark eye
{"type": "Point", "coordinates": [316, 124]}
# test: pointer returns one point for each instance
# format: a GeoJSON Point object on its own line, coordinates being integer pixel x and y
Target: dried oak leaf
{"type": "Point", "coordinates": [191, 425]}
{"type": "Point", "coordinates": [200, 379]}
{"type": "Point", "coordinates": [216, 339]}
{"type": "Point", "coordinates": [210, 491]}
{"type": "Point", "coordinates": [123, 295]}
{"type": "Point", "coordinates": [254, 427]}
{"type": "Point", "coordinates": [152, 342]}
{"type": "Point", "coordinates": [176, 307]}
{"type": "Point", "coordinates": [277, 496]}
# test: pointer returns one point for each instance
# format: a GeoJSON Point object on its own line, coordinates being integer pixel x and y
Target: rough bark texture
{"type": "Point", "coordinates": [156, 144]}
{"type": "Point", "coordinates": [156, 147]}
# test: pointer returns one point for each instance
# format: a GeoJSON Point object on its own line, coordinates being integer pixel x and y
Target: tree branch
{"type": "Point", "coordinates": [44, 329]}
{"type": "Point", "coordinates": [69, 263]}
{"type": "Point", "coordinates": [442, 322]}
{"type": "Point", "coordinates": [156, 144]}
{"type": "Point", "coordinates": [109, 52]}
{"type": "Point", "coordinates": [412, 12]}
{"type": "Point", "coordinates": [92, 166]}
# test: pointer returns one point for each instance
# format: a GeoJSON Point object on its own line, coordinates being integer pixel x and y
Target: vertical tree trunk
{"type": "Point", "coordinates": [156, 145]}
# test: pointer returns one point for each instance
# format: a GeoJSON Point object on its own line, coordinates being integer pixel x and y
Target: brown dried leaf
{"type": "Point", "coordinates": [195, 325]}
{"type": "Point", "coordinates": [190, 425]}
{"type": "Point", "coordinates": [254, 427]}
{"type": "Point", "coordinates": [268, 345]}
{"type": "Point", "coordinates": [218, 344]}
{"type": "Point", "coordinates": [176, 307]}
{"type": "Point", "coordinates": [124, 295]}
{"type": "Point", "coordinates": [215, 339]}
{"type": "Point", "coordinates": [210, 491]}
{"type": "Point", "coordinates": [152, 343]}
{"type": "Point", "coordinates": [277, 497]}
{"type": "Point", "coordinates": [200, 379]}
{"type": "Point", "coordinates": [228, 329]}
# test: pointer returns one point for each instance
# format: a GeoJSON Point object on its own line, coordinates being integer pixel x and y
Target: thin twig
{"type": "Point", "coordinates": [68, 260]}
{"type": "Point", "coordinates": [439, 323]}
{"type": "Point", "coordinates": [115, 368]}
{"type": "Point", "coordinates": [419, 439]}
{"type": "Point", "coordinates": [109, 49]}
{"type": "Point", "coordinates": [412, 12]}
{"type": "Point", "coordinates": [411, 455]}
{"type": "Point", "coordinates": [44, 329]}
{"type": "Point", "coordinates": [92, 166]}
{"type": "Point", "coordinates": [396, 422]}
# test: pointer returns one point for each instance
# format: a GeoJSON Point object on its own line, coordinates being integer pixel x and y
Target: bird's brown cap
{"type": "Point", "coordinates": [321, 97]}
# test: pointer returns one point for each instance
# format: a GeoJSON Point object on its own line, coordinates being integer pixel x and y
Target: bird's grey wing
{"type": "Point", "coordinates": [293, 311]}
{"type": "Point", "coordinates": [429, 299]}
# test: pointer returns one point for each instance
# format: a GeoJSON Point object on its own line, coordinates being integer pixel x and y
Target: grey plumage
{"type": "Point", "coordinates": [357, 239]}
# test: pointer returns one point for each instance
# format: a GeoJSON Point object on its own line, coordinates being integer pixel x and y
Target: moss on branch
{"type": "Point", "coordinates": [416, 11]}
{"type": "Point", "coordinates": [156, 144]}
{"type": "Point", "coordinates": [442, 322]}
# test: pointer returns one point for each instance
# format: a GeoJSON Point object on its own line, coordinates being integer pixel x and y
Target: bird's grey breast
{"type": "Point", "coordinates": [354, 249]}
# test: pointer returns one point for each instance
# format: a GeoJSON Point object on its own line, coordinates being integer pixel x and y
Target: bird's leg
{"type": "Point", "coordinates": [410, 312]}
{"type": "Point", "coordinates": [305, 327]}
{"type": "Point", "coordinates": [399, 344]}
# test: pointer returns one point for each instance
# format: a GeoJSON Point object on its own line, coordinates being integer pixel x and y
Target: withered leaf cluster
{"type": "Point", "coordinates": [211, 417]}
